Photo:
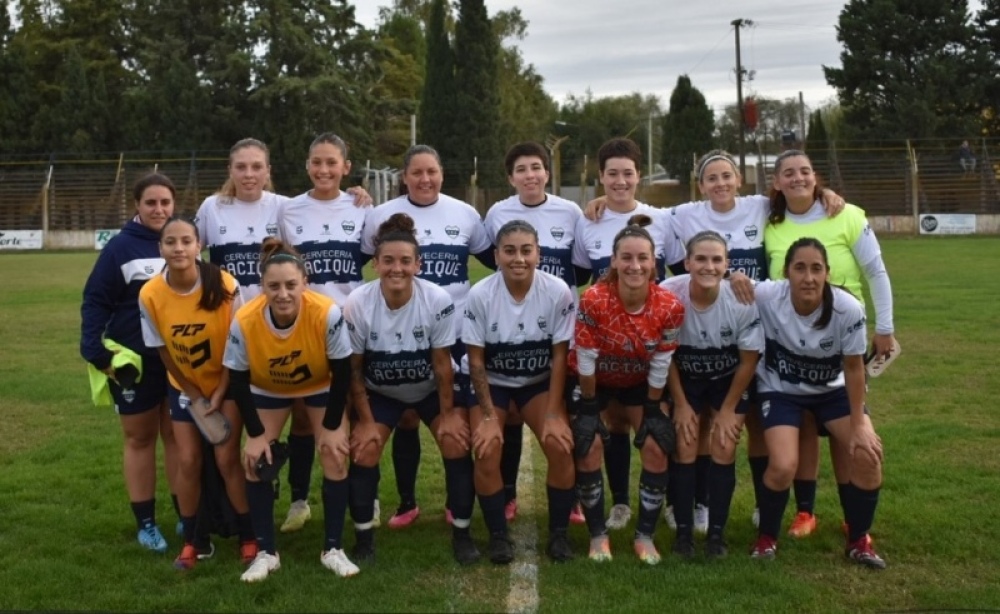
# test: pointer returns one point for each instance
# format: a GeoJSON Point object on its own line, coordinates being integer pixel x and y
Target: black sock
{"type": "Point", "coordinates": [561, 502]}
{"type": "Point", "coordinates": [245, 527]}
{"type": "Point", "coordinates": [190, 528]}
{"type": "Point", "coordinates": [842, 496]}
{"type": "Point", "coordinates": [492, 506]}
{"type": "Point", "coordinates": [618, 463]}
{"type": "Point", "coordinates": [772, 508]}
{"type": "Point", "coordinates": [406, 461]}
{"type": "Point", "coordinates": [701, 491]}
{"type": "Point", "coordinates": [458, 478]}
{"type": "Point", "coordinates": [758, 466]}
{"type": "Point", "coordinates": [363, 489]}
{"type": "Point", "coordinates": [721, 484]}
{"type": "Point", "coordinates": [260, 496]}
{"type": "Point", "coordinates": [862, 505]}
{"type": "Point", "coordinates": [301, 454]}
{"type": "Point", "coordinates": [671, 485]}
{"type": "Point", "coordinates": [684, 477]}
{"type": "Point", "coordinates": [510, 459]}
{"type": "Point", "coordinates": [652, 490]}
{"type": "Point", "coordinates": [144, 512]}
{"type": "Point", "coordinates": [590, 492]}
{"type": "Point", "coordinates": [334, 511]}
{"type": "Point", "coordinates": [805, 495]}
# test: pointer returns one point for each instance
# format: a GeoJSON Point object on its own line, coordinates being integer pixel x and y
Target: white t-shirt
{"type": "Point", "coordinates": [327, 233]}
{"type": "Point", "coordinates": [742, 228]}
{"type": "Point", "coordinates": [594, 240]}
{"type": "Point", "coordinates": [799, 359]}
{"type": "Point", "coordinates": [518, 336]}
{"type": "Point", "coordinates": [233, 230]}
{"type": "Point", "coordinates": [396, 344]}
{"type": "Point", "coordinates": [555, 221]}
{"type": "Point", "coordinates": [711, 339]}
{"type": "Point", "coordinates": [448, 232]}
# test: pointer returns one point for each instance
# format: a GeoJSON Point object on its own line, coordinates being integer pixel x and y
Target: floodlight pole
{"type": "Point", "coordinates": [737, 24]}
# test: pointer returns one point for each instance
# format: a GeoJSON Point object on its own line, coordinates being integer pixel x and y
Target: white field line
{"type": "Point", "coordinates": [523, 595]}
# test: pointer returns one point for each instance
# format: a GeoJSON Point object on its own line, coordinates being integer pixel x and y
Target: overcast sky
{"type": "Point", "coordinates": [621, 46]}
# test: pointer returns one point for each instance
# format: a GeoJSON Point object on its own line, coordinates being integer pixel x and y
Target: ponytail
{"type": "Point", "coordinates": [827, 312]}
{"type": "Point", "coordinates": [213, 288]}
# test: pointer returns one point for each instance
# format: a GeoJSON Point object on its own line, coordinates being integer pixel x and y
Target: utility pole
{"type": "Point", "coordinates": [737, 24]}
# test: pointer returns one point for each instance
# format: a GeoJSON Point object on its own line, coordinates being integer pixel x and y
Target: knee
{"type": "Point", "coordinates": [618, 423]}
{"type": "Point", "coordinates": [866, 472]}
{"type": "Point", "coordinates": [334, 463]}
{"type": "Point", "coordinates": [594, 458]}
{"type": "Point", "coordinates": [781, 471]}
{"type": "Point", "coordinates": [409, 421]}
{"type": "Point", "coordinates": [653, 457]}
{"type": "Point", "coordinates": [556, 455]}
{"type": "Point", "coordinates": [723, 454]}
{"type": "Point", "coordinates": [488, 465]}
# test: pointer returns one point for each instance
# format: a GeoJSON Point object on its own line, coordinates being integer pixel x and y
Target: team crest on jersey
{"type": "Point", "coordinates": [418, 333]}
{"type": "Point", "coordinates": [451, 231]}
{"type": "Point", "coordinates": [348, 226]}
{"type": "Point", "coordinates": [326, 229]}
{"type": "Point", "coordinates": [726, 333]}
{"type": "Point", "coordinates": [751, 232]}
{"type": "Point", "coordinates": [826, 344]}
{"type": "Point", "coordinates": [597, 244]}
{"type": "Point", "coordinates": [373, 336]}
{"type": "Point", "coordinates": [542, 322]}
{"type": "Point", "coordinates": [298, 230]}
{"type": "Point", "coordinates": [148, 269]}
{"type": "Point", "coordinates": [222, 230]}
{"type": "Point", "coordinates": [649, 345]}
{"type": "Point", "coordinates": [272, 230]}
{"type": "Point", "coordinates": [557, 233]}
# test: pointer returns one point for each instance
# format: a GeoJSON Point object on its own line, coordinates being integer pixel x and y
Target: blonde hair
{"type": "Point", "coordinates": [228, 189]}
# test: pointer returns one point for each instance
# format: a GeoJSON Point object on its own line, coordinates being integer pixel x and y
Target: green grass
{"type": "Point", "coordinates": [67, 537]}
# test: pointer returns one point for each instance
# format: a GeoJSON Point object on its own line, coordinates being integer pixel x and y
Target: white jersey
{"type": "Point", "coordinates": [742, 227]}
{"type": "Point", "coordinates": [327, 233]}
{"type": "Point", "coordinates": [555, 220]}
{"type": "Point", "coordinates": [518, 336]}
{"type": "Point", "coordinates": [799, 359]}
{"type": "Point", "coordinates": [594, 240]}
{"type": "Point", "coordinates": [711, 339]}
{"type": "Point", "coordinates": [233, 230]}
{"type": "Point", "coordinates": [396, 344]}
{"type": "Point", "coordinates": [448, 232]}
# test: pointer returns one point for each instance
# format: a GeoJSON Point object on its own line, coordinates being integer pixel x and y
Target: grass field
{"type": "Point", "coordinates": [67, 538]}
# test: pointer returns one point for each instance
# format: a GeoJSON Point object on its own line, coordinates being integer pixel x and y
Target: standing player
{"type": "Point", "coordinates": [626, 331]}
{"type": "Point", "coordinates": [191, 305]}
{"type": "Point", "coordinates": [448, 232]}
{"type": "Point", "coordinates": [555, 218]}
{"type": "Point", "coordinates": [110, 313]}
{"type": "Point", "coordinates": [402, 334]}
{"type": "Point", "coordinates": [854, 254]}
{"type": "Point", "coordinates": [619, 160]}
{"type": "Point", "coordinates": [814, 363]}
{"type": "Point", "coordinates": [518, 323]}
{"type": "Point", "coordinates": [290, 343]}
{"type": "Point", "coordinates": [719, 346]}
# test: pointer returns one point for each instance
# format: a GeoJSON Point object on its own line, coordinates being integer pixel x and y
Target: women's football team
{"type": "Point", "coordinates": [280, 324]}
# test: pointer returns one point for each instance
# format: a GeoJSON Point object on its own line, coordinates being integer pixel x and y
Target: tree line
{"type": "Point", "coordinates": [173, 76]}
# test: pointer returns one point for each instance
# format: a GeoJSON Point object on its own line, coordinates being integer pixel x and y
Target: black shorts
{"type": "Point", "coordinates": [503, 395]}
{"type": "Point", "coordinates": [388, 411]}
{"type": "Point", "coordinates": [147, 393]}
{"type": "Point", "coordinates": [631, 396]}
{"type": "Point", "coordinates": [708, 394]}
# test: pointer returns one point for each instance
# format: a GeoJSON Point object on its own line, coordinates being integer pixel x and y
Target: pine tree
{"type": "Point", "coordinates": [477, 101]}
{"type": "Point", "coordinates": [687, 127]}
{"type": "Point", "coordinates": [437, 102]}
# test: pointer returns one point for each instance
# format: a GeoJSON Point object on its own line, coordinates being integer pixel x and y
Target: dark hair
{"type": "Point", "coordinates": [276, 251]}
{"type": "Point", "coordinates": [332, 139]}
{"type": "Point", "coordinates": [525, 149]}
{"type": "Point", "coordinates": [712, 156]}
{"type": "Point", "coordinates": [228, 189]}
{"type": "Point", "coordinates": [399, 227]}
{"type": "Point", "coordinates": [779, 204]}
{"type": "Point", "coordinates": [634, 228]}
{"type": "Point", "coordinates": [416, 150]}
{"type": "Point", "coordinates": [147, 181]}
{"type": "Point", "coordinates": [516, 226]}
{"type": "Point", "coordinates": [701, 237]}
{"type": "Point", "coordinates": [827, 313]}
{"type": "Point", "coordinates": [213, 289]}
{"type": "Point", "coordinates": [619, 147]}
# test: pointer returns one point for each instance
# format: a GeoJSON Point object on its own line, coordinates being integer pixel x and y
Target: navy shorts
{"type": "Point", "coordinates": [179, 405]}
{"type": "Point", "coordinates": [709, 394]}
{"type": "Point", "coordinates": [263, 401]}
{"type": "Point", "coordinates": [633, 395]}
{"type": "Point", "coordinates": [780, 409]}
{"type": "Point", "coordinates": [503, 395]}
{"type": "Point", "coordinates": [148, 393]}
{"type": "Point", "coordinates": [388, 411]}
